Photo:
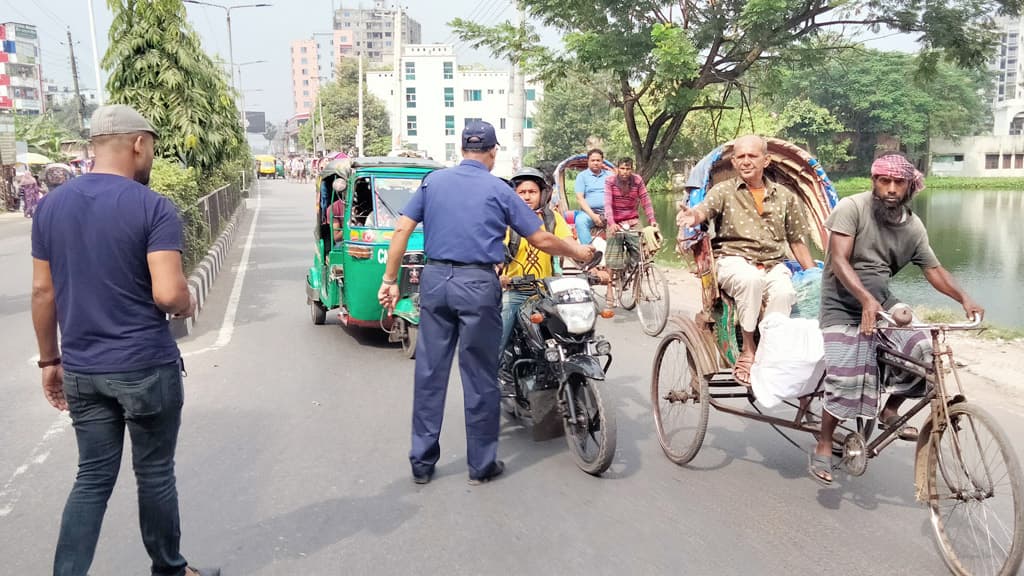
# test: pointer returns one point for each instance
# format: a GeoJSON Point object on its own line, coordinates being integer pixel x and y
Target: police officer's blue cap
{"type": "Point", "coordinates": [479, 135]}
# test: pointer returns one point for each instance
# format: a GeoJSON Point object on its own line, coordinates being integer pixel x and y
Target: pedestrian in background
{"type": "Point", "coordinates": [30, 192]}
{"type": "Point", "coordinates": [117, 364]}
{"type": "Point", "coordinates": [465, 212]}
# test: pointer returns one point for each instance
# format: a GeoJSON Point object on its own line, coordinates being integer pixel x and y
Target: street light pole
{"type": "Point", "coordinates": [95, 56]}
{"type": "Point", "coordinates": [227, 11]}
{"type": "Point", "coordinates": [241, 90]}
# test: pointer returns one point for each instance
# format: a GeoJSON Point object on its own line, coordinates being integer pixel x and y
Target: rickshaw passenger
{"type": "Point", "coordinates": [873, 236]}
{"type": "Point", "coordinates": [755, 219]}
{"type": "Point", "coordinates": [590, 195]}
{"type": "Point", "coordinates": [522, 258]}
{"type": "Point", "coordinates": [336, 213]}
{"type": "Point", "coordinates": [362, 202]}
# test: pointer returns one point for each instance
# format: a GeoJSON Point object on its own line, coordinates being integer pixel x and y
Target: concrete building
{"type": "Point", "coordinates": [1008, 103]}
{"type": "Point", "coordinates": [369, 32]}
{"type": "Point", "coordinates": [305, 74]}
{"type": "Point", "coordinates": [1001, 153]}
{"type": "Point", "coordinates": [436, 99]}
{"type": "Point", "coordinates": [21, 84]}
{"type": "Point", "coordinates": [63, 95]}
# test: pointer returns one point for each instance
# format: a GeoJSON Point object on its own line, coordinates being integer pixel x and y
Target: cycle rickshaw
{"type": "Point", "coordinates": [965, 469]}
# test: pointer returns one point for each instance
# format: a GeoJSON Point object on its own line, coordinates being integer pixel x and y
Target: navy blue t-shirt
{"type": "Point", "coordinates": [465, 212]}
{"type": "Point", "coordinates": [96, 231]}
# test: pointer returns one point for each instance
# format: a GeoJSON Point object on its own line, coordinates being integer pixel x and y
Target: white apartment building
{"type": "Point", "coordinates": [435, 99]}
{"type": "Point", "coordinates": [1008, 104]}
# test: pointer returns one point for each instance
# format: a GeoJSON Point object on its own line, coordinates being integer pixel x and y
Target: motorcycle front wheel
{"type": "Point", "coordinates": [591, 434]}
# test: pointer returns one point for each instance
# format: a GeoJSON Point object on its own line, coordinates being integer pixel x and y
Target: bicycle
{"type": "Point", "coordinates": [641, 284]}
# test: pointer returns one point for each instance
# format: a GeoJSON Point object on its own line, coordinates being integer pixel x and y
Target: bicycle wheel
{"type": "Point", "coordinates": [652, 300]}
{"type": "Point", "coordinates": [976, 494]}
{"type": "Point", "coordinates": [625, 288]}
{"type": "Point", "coordinates": [679, 399]}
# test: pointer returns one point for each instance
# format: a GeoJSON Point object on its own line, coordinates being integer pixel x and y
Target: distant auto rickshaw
{"type": "Point", "coordinates": [266, 166]}
{"type": "Point", "coordinates": [279, 168]}
{"type": "Point", "coordinates": [354, 228]}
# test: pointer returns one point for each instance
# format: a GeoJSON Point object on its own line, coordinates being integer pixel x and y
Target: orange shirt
{"type": "Point", "coordinates": [758, 194]}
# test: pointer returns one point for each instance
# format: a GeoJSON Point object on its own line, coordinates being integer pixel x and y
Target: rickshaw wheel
{"type": "Point", "coordinates": [317, 313]}
{"type": "Point", "coordinates": [976, 494]}
{"type": "Point", "coordinates": [412, 333]}
{"type": "Point", "coordinates": [679, 399]}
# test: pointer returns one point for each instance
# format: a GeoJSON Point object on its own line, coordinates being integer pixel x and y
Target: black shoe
{"type": "Point", "coordinates": [422, 478]}
{"type": "Point", "coordinates": [496, 471]}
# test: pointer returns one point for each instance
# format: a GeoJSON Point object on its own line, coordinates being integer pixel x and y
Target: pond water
{"type": "Point", "coordinates": [977, 235]}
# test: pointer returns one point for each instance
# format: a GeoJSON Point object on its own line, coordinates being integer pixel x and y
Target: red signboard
{"type": "Point", "coordinates": [5, 80]}
{"type": "Point", "coordinates": [3, 32]}
{"type": "Point", "coordinates": [6, 102]}
{"type": "Point", "coordinates": [4, 57]}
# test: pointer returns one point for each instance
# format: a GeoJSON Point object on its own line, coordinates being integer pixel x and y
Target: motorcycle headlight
{"type": "Point", "coordinates": [578, 318]}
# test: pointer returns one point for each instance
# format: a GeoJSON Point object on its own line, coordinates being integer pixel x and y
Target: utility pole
{"type": "Point", "coordinates": [78, 97]}
{"type": "Point", "coordinates": [359, 124]}
{"type": "Point", "coordinates": [518, 96]}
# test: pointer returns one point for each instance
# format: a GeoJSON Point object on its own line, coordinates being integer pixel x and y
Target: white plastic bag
{"type": "Point", "coordinates": [790, 359]}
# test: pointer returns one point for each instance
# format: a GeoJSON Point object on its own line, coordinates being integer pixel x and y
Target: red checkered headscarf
{"type": "Point", "coordinates": [896, 166]}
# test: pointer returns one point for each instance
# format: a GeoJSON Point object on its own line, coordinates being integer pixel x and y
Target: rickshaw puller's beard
{"type": "Point", "coordinates": [886, 214]}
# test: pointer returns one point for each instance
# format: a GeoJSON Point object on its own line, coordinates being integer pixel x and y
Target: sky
{"type": "Point", "coordinates": [258, 34]}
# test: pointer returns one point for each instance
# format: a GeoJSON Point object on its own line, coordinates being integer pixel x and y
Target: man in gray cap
{"type": "Point", "coordinates": [465, 212]}
{"type": "Point", "coordinates": [107, 270]}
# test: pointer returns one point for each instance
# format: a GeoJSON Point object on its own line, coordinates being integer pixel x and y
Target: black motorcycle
{"type": "Point", "coordinates": [551, 370]}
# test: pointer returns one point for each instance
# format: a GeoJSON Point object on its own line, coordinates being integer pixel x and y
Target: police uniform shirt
{"type": "Point", "coordinates": [465, 211]}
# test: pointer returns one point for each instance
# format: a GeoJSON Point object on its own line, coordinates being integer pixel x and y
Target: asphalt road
{"type": "Point", "coordinates": [293, 458]}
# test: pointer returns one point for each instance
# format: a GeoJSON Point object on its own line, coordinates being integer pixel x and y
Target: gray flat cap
{"type": "Point", "coordinates": [118, 119]}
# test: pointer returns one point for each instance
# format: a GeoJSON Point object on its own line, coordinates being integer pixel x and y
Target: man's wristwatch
{"type": "Point", "coordinates": [387, 282]}
{"type": "Point", "coordinates": [48, 363]}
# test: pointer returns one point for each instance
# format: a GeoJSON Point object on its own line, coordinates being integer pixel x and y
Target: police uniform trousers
{"type": "Point", "coordinates": [459, 306]}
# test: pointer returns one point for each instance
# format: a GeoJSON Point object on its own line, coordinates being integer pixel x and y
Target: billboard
{"type": "Point", "coordinates": [255, 122]}
{"type": "Point", "coordinates": [26, 32]}
{"type": "Point", "coordinates": [7, 148]}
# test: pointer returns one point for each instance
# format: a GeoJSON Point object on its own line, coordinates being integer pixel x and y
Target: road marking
{"type": "Point", "coordinates": [10, 494]}
{"type": "Point", "coordinates": [227, 326]}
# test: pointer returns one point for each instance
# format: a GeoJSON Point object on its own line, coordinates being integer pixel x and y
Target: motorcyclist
{"type": "Point", "coordinates": [521, 258]}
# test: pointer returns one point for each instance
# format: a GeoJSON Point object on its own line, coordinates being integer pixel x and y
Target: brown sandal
{"type": "Point", "coordinates": [741, 371]}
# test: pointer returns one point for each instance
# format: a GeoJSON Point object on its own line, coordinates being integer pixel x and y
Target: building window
{"type": "Point", "coordinates": [305, 82]}
{"type": "Point", "coordinates": [490, 92]}
{"type": "Point", "coordinates": [449, 151]}
{"type": "Point", "coordinates": [449, 125]}
{"type": "Point", "coordinates": [1007, 160]}
{"type": "Point", "coordinates": [472, 95]}
{"type": "Point", "coordinates": [501, 124]}
{"type": "Point", "coordinates": [307, 104]}
{"type": "Point", "coordinates": [958, 157]}
{"type": "Point", "coordinates": [991, 161]}
{"type": "Point", "coordinates": [502, 91]}
{"type": "Point", "coordinates": [305, 92]}
{"type": "Point", "coordinates": [303, 50]}
{"type": "Point", "coordinates": [449, 97]}
{"type": "Point", "coordinates": [305, 61]}
{"type": "Point", "coordinates": [469, 121]}
{"type": "Point", "coordinates": [410, 125]}
{"type": "Point", "coordinates": [1018, 161]}
{"type": "Point", "coordinates": [528, 123]}
{"type": "Point", "coordinates": [449, 70]}
{"type": "Point", "coordinates": [531, 94]}
{"type": "Point", "coordinates": [305, 71]}
{"type": "Point", "coordinates": [410, 70]}
{"type": "Point", "coordinates": [410, 97]}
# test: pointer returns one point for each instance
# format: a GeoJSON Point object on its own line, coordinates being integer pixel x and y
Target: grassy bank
{"type": "Point", "coordinates": [847, 186]}
{"type": "Point", "coordinates": [949, 316]}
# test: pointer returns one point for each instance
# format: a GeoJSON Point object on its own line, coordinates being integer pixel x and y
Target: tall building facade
{"type": "Point", "coordinates": [370, 32]}
{"type": "Point", "coordinates": [1008, 103]}
{"type": "Point", "coordinates": [436, 99]}
{"type": "Point", "coordinates": [21, 79]}
{"type": "Point", "coordinates": [305, 74]}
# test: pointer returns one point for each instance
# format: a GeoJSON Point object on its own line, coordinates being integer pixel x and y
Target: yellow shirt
{"type": "Point", "coordinates": [530, 260]}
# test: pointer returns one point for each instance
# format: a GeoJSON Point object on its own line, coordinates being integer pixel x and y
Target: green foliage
{"type": "Point", "coordinates": [570, 114]}
{"type": "Point", "coordinates": [847, 186]}
{"type": "Point", "coordinates": [949, 316]}
{"type": "Point", "coordinates": [870, 93]}
{"type": "Point", "coordinates": [157, 66]}
{"type": "Point", "coordinates": [341, 115]}
{"type": "Point", "coordinates": [805, 123]}
{"type": "Point", "coordinates": [181, 185]}
{"type": "Point", "coordinates": [67, 116]}
{"type": "Point", "coordinates": [664, 54]}
{"type": "Point", "coordinates": [43, 134]}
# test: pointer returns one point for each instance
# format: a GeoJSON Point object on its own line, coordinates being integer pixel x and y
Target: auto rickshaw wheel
{"type": "Point", "coordinates": [317, 313]}
{"type": "Point", "coordinates": [412, 333]}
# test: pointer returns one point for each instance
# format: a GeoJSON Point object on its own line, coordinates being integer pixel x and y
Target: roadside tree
{"type": "Point", "coordinates": [341, 115]}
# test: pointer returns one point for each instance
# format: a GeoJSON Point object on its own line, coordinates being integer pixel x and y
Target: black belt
{"type": "Point", "coordinates": [455, 264]}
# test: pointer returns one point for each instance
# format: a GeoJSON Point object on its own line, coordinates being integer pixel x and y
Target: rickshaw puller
{"type": "Point", "coordinates": [465, 212]}
{"type": "Point", "coordinates": [755, 219]}
{"type": "Point", "coordinates": [873, 236]}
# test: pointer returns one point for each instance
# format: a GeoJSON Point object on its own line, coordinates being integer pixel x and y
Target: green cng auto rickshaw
{"type": "Point", "coordinates": [358, 202]}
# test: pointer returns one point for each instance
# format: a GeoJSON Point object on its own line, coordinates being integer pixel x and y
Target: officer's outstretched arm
{"type": "Point", "coordinates": [555, 246]}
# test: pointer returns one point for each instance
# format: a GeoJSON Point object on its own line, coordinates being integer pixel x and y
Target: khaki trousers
{"type": "Point", "coordinates": [751, 287]}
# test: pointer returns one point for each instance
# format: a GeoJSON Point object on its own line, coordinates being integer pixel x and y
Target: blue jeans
{"type": "Point", "coordinates": [511, 302]}
{"type": "Point", "coordinates": [149, 402]}
{"type": "Point", "coordinates": [584, 223]}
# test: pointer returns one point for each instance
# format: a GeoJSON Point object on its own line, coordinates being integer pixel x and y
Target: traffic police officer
{"type": "Point", "coordinates": [465, 212]}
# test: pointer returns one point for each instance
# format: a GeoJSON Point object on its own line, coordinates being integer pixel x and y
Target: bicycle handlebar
{"type": "Point", "coordinates": [972, 324]}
